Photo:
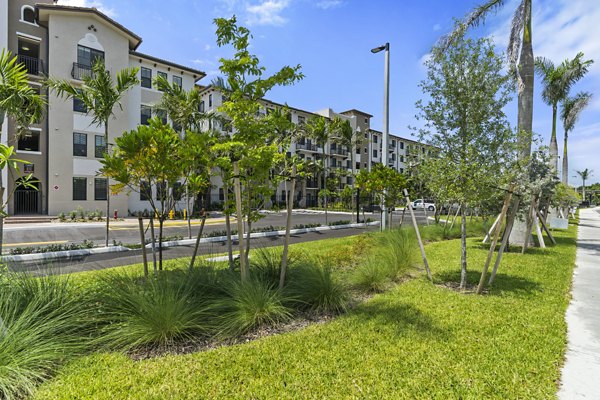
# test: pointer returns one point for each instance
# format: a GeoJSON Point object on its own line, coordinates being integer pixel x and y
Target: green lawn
{"type": "Point", "coordinates": [415, 341]}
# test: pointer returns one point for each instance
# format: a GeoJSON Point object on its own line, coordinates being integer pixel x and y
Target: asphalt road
{"type": "Point", "coordinates": [127, 232]}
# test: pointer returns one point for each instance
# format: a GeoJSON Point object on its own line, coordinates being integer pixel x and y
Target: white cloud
{"type": "Point", "coordinates": [89, 3]}
{"type": "Point", "coordinates": [267, 12]}
{"type": "Point", "coordinates": [437, 27]}
{"type": "Point", "coordinates": [327, 4]}
{"type": "Point", "coordinates": [207, 47]}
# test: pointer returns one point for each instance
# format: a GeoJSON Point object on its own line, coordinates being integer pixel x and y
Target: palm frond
{"type": "Point", "coordinates": [515, 41]}
{"type": "Point", "coordinates": [572, 107]}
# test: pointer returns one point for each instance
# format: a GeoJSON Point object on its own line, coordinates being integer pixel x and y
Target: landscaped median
{"type": "Point", "coordinates": [415, 340]}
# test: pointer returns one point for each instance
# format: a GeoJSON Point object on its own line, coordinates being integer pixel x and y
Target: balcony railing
{"type": "Point", "coordinates": [79, 71]}
{"type": "Point", "coordinates": [34, 66]}
{"type": "Point", "coordinates": [339, 152]}
{"type": "Point", "coordinates": [306, 146]}
{"type": "Point", "coordinates": [312, 184]}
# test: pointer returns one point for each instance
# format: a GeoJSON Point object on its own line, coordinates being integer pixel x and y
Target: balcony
{"type": "Point", "coordinates": [339, 152]}
{"type": "Point", "coordinates": [80, 71]}
{"type": "Point", "coordinates": [306, 146]}
{"type": "Point", "coordinates": [33, 65]}
{"type": "Point", "coordinates": [312, 184]}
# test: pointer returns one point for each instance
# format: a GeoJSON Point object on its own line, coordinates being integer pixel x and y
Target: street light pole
{"type": "Point", "coordinates": [386, 118]}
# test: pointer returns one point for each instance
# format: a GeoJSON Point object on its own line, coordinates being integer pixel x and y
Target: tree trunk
{"type": "Point", "coordinates": [553, 142]}
{"type": "Point", "coordinates": [143, 242]}
{"type": "Point", "coordinates": [463, 246]}
{"type": "Point", "coordinates": [509, 224]}
{"type": "Point", "coordinates": [153, 245]}
{"type": "Point", "coordinates": [160, 240]}
{"type": "Point", "coordinates": [107, 188]}
{"type": "Point", "coordinates": [288, 227]}
{"type": "Point", "coordinates": [325, 182]}
{"type": "Point", "coordinates": [565, 161]}
{"type": "Point", "coordinates": [228, 225]}
{"type": "Point", "coordinates": [188, 212]}
{"type": "Point", "coordinates": [240, 220]}
{"type": "Point", "coordinates": [526, 85]}
{"type": "Point", "coordinates": [197, 245]}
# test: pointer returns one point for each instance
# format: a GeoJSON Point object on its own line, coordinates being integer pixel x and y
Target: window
{"type": "Point", "coordinates": [146, 114]}
{"type": "Point", "coordinates": [393, 143]}
{"type": "Point", "coordinates": [79, 188]}
{"type": "Point", "coordinates": [100, 189]}
{"type": "Point", "coordinates": [28, 168]}
{"type": "Point", "coordinates": [221, 195]}
{"type": "Point", "coordinates": [29, 141]}
{"type": "Point", "coordinates": [201, 106]}
{"type": "Point", "coordinates": [358, 150]}
{"type": "Point", "coordinates": [161, 190]}
{"type": "Point", "coordinates": [210, 100]}
{"type": "Point", "coordinates": [401, 170]}
{"type": "Point", "coordinates": [146, 75]}
{"type": "Point", "coordinates": [357, 165]}
{"type": "Point", "coordinates": [301, 119]}
{"type": "Point", "coordinates": [401, 158]}
{"type": "Point", "coordinates": [177, 191]}
{"type": "Point", "coordinates": [177, 81]}
{"type": "Point", "coordinates": [86, 57]}
{"type": "Point", "coordinates": [99, 146]}
{"type": "Point", "coordinates": [145, 191]}
{"type": "Point", "coordinates": [374, 153]}
{"type": "Point", "coordinates": [366, 120]}
{"type": "Point", "coordinates": [401, 145]}
{"type": "Point", "coordinates": [80, 144]}
{"type": "Point", "coordinates": [374, 139]}
{"type": "Point", "coordinates": [162, 115]}
{"type": "Point", "coordinates": [78, 105]}
{"type": "Point", "coordinates": [162, 75]}
{"type": "Point", "coordinates": [28, 14]}
{"type": "Point", "coordinates": [366, 135]}
{"type": "Point", "coordinates": [366, 150]}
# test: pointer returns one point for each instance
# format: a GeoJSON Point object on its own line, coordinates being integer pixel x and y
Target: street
{"type": "Point", "coordinates": [127, 231]}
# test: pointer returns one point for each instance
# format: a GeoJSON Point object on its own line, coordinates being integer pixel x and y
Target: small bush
{"type": "Point", "coordinates": [266, 264]}
{"type": "Point", "coordinates": [335, 223]}
{"type": "Point", "coordinates": [316, 287]}
{"type": "Point", "coordinates": [371, 276]}
{"type": "Point", "coordinates": [154, 313]}
{"type": "Point", "coordinates": [398, 250]}
{"type": "Point", "coordinates": [249, 305]}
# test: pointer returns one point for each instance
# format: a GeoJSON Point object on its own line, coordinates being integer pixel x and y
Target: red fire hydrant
{"type": "Point", "coordinates": [116, 215]}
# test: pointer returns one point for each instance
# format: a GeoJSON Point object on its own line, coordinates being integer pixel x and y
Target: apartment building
{"type": "Point", "coordinates": [63, 151]}
{"type": "Point", "coordinates": [367, 152]}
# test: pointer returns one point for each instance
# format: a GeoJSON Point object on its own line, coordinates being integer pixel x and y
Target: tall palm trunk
{"type": "Point", "coordinates": [553, 142]}
{"type": "Point", "coordinates": [525, 101]}
{"type": "Point", "coordinates": [565, 161]}
{"type": "Point", "coordinates": [107, 188]}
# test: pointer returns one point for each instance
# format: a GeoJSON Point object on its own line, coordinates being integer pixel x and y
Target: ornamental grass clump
{"type": "Point", "coordinates": [371, 276]}
{"type": "Point", "coordinates": [398, 252]}
{"type": "Point", "coordinates": [157, 312]}
{"type": "Point", "coordinates": [249, 305]}
{"type": "Point", "coordinates": [42, 325]}
{"type": "Point", "coordinates": [316, 287]}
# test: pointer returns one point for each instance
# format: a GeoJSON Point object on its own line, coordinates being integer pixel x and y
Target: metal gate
{"type": "Point", "coordinates": [27, 202]}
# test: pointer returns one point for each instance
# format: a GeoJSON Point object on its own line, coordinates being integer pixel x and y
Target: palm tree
{"type": "Point", "coordinates": [318, 129]}
{"type": "Point", "coordinates": [520, 58]}
{"type": "Point", "coordinates": [571, 111]}
{"type": "Point", "coordinates": [344, 135]}
{"type": "Point", "coordinates": [19, 102]}
{"type": "Point", "coordinates": [100, 95]}
{"type": "Point", "coordinates": [585, 175]}
{"type": "Point", "coordinates": [557, 82]}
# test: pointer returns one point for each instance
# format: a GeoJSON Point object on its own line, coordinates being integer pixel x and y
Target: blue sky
{"type": "Point", "coordinates": [331, 39]}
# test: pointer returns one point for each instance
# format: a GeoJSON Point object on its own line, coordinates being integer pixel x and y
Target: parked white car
{"type": "Point", "coordinates": [422, 204]}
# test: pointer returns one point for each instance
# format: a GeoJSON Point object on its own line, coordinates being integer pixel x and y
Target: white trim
{"type": "Point", "coordinates": [23, 13]}
{"type": "Point", "coordinates": [32, 128]}
{"type": "Point", "coordinates": [38, 153]}
{"type": "Point", "coordinates": [31, 37]}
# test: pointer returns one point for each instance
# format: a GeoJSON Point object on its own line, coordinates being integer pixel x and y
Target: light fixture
{"type": "Point", "coordinates": [378, 49]}
{"type": "Point", "coordinates": [25, 48]}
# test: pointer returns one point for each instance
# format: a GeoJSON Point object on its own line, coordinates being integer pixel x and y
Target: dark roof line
{"type": "Point", "coordinates": [169, 63]}
{"type": "Point", "coordinates": [399, 137]}
{"type": "Point", "coordinates": [91, 10]}
{"type": "Point", "coordinates": [355, 111]}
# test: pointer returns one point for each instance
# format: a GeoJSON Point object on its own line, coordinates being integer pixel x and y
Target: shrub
{"type": "Point", "coordinates": [41, 326]}
{"type": "Point", "coordinates": [266, 264]}
{"type": "Point", "coordinates": [62, 217]}
{"type": "Point", "coordinates": [72, 215]}
{"type": "Point", "coordinates": [316, 288]}
{"type": "Point", "coordinates": [335, 223]}
{"type": "Point", "coordinates": [249, 305]}
{"type": "Point", "coordinates": [155, 313]}
{"type": "Point", "coordinates": [371, 276]}
{"type": "Point", "coordinates": [398, 251]}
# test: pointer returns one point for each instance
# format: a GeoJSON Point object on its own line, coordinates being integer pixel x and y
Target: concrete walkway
{"type": "Point", "coordinates": [581, 372]}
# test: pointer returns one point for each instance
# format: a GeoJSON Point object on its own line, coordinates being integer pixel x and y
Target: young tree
{"type": "Point", "coordinates": [572, 107]}
{"type": "Point", "coordinates": [384, 182]}
{"type": "Point", "coordinates": [244, 78]}
{"type": "Point", "coordinates": [150, 156]}
{"type": "Point", "coordinates": [465, 122]}
{"type": "Point", "coordinates": [19, 102]}
{"type": "Point", "coordinates": [585, 175]}
{"type": "Point", "coordinates": [557, 82]}
{"type": "Point", "coordinates": [100, 94]}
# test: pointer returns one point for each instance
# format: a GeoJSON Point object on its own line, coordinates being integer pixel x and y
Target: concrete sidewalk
{"type": "Point", "coordinates": [581, 372]}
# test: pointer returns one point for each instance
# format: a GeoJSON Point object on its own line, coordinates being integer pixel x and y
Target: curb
{"type": "Point", "coordinates": [63, 254]}
{"type": "Point", "coordinates": [185, 242]}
